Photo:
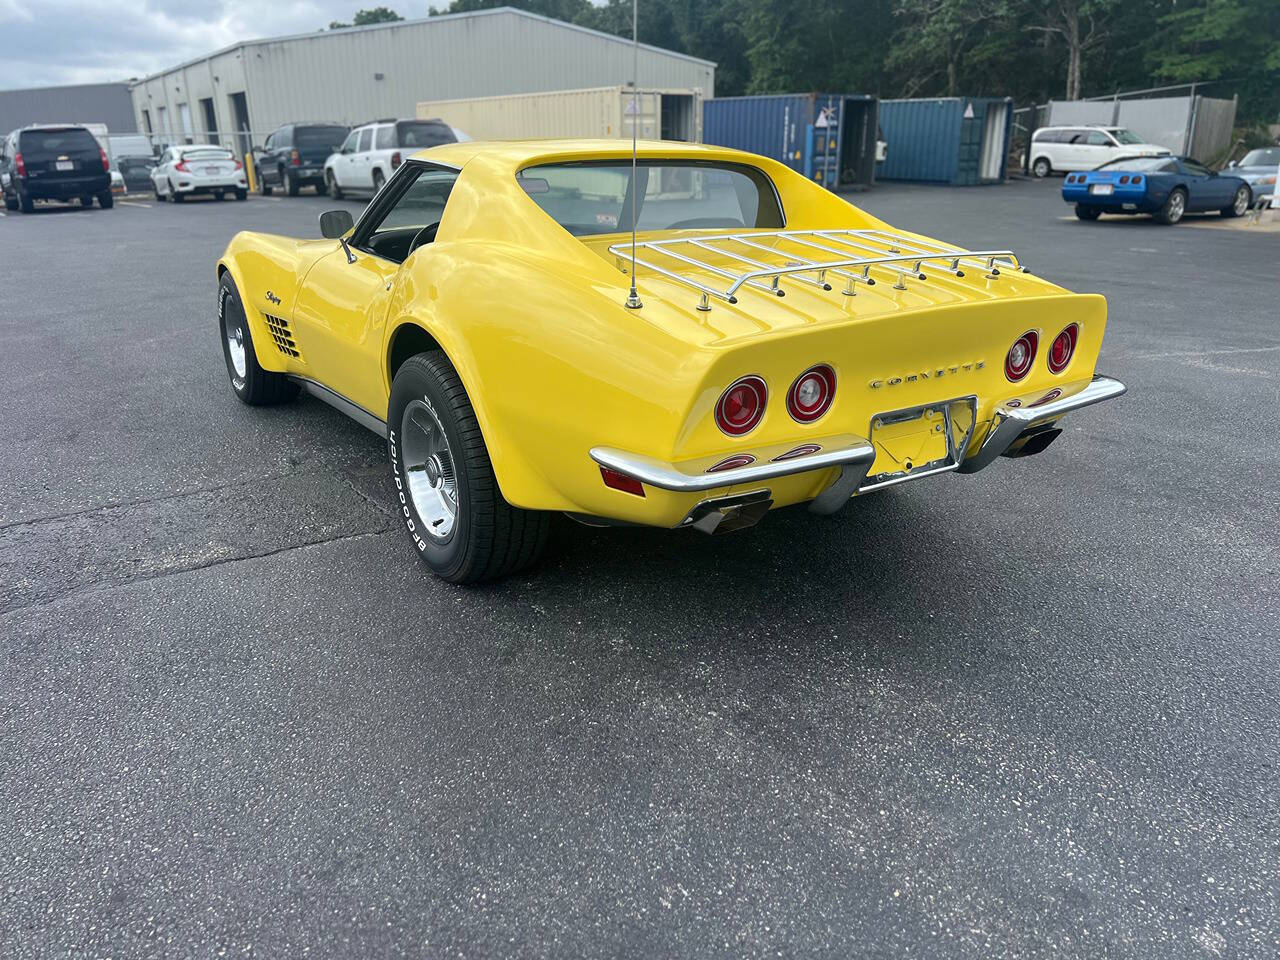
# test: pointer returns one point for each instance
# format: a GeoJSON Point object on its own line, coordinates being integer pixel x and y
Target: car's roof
{"type": "Point", "coordinates": [519, 153]}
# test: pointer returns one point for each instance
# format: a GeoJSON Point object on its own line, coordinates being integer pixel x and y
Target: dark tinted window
{"type": "Point", "coordinates": [1049, 136]}
{"type": "Point", "coordinates": [329, 137]}
{"type": "Point", "coordinates": [590, 198]}
{"type": "Point", "coordinates": [44, 144]}
{"type": "Point", "coordinates": [419, 134]}
{"type": "Point", "coordinates": [1198, 169]}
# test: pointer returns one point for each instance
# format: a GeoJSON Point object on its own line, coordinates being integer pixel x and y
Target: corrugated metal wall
{"type": "Point", "coordinates": [955, 140]}
{"type": "Point", "coordinates": [107, 103]}
{"type": "Point", "coordinates": [385, 70]}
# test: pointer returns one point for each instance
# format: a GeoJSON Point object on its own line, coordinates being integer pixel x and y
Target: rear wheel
{"type": "Point", "coordinates": [264, 188]}
{"type": "Point", "coordinates": [331, 182]}
{"type": "Point", "coordinates": [174, 195]}
{"type": "Point", "coordinates": [1239, 203]}
{"type": "Point", "coordinates": [242, 194]}
{"type": "Point", "coordinates": [291, 184]}
{"type": "Point", "coordinates": [1087, 213]}
{"type": "Point", "coordinates": [1042, 167]}
{"type": "Point", "coordinates": [218, 194]}
{"type": "Point", "coordinates": [449, 499]}
{"type": "Point", "coordinates": [1175, 205]}
{"type": "Point", "coordinates": [378, 180]}
{"type": "Point", "coordinates": [86, 201]}
{"type": "Point", "coordinates": [26, 203]}
{"type": "Point", "coordinates": [10, 203]}
{"type": "Point", "coordinates": [106, 200]}
{"type": "Point", "coordinates": [252, 384]}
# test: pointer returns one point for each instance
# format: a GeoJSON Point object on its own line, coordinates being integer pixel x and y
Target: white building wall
{"type": "Point", "coordinates": [385, 70]}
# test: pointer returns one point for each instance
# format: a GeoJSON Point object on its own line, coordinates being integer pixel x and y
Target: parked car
{"type": "Point", "coordinates": [372, 152]}
{"type": "Point", "coordinates": [133, 155]}
{"type": "Point", "coordinates": [54, 162]}
{"type": "Point", "coordinates": [486, 273]}
{"type": "Point", "coordinates": [1258, 169]}
{"type": "Point", "coordinates": [1063, 149]}
{"type": "Point", "coordinates": [186, 170]}
{"type": "Point", "coordinates": [1165, 187]}
{"type": "Point", "coordinates": [293, 156]}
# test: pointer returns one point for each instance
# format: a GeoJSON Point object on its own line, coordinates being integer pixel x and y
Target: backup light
{"type": "Point", "coordinates": [811, 394]}
{"type": "Point", "coordinates": [1021, 355]}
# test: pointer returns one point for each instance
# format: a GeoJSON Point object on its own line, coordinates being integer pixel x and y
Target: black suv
{"type": "Point", "coordinates": [46, 162]}
{"type": "Point", "coordinates": [293, 156]}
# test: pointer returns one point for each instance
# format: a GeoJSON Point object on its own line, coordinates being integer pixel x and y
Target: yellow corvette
{"type": "Point", "coordinates": [779, 345]}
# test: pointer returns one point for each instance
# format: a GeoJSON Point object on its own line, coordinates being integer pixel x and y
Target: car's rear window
{"type": "Point", "coordinates": [330, 137]}
{"type": "Point", "coordinates": [591, 198]}
{"type": "Point", "coordinates": [44, 144]}
{"type": "Point", "coordinates": [420, 134]}
{"type": "Point", "coordinates": [1143, 164]}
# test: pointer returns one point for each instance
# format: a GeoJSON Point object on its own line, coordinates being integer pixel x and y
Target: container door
{"type": "Point", "coordinates": [993, 136]}
{"type": "Point", "coordinates": [677, 117]}
{"type": "Point", "coordinates": [971, 127]}
{"type": "Point", "coordinates": [857, 143]}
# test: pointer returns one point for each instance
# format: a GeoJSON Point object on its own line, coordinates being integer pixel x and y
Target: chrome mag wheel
{"type": "Point", "coordinates": [429, 469]}
{"type": "Point", "coordinates": [1242, 202]}
{"type": "Point", "coordinates": [1177, 207]}
{"type": "Point", "coordinates": [235, 349]}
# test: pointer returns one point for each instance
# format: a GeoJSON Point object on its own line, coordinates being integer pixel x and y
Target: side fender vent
{"type": "Point", "coordinates": [282, 335]}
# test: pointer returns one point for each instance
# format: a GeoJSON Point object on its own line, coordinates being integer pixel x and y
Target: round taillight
{"type": "Point", "coordinates": [1021, 355]}
{"type": "Point", "coordinates": [741, 406]}
{"type": "Point", "coordinates": [811, 394]}
{"type": "Point", "coordinates": [1063, 348]}
{"type": "Point", "coordinates": [1124, 179]}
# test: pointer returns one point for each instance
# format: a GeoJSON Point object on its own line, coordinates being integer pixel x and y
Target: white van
{"type": "Point", "coordinates": [1063, 149]}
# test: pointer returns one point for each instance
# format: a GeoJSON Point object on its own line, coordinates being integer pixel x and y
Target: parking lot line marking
{"type": "Point", "coordinates": [135, 203]}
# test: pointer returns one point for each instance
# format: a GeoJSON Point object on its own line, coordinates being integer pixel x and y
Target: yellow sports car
{"type": "Point", "coordinates": [778, 345]}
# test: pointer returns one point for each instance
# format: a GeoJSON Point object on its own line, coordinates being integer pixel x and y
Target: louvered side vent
{"type": "Point", "coordinates": [282, 335]}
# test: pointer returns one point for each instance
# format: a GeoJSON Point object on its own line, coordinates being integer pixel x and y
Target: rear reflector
{"type": "Point", "coordinates": [1021, 355]}
{"type": "Point", "coordinates": [620, 481]}
{"type": "Point", "coordinates": [732, 463]}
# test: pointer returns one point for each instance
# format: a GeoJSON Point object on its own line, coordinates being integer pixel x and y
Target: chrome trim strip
{"type": "Point", "coordinates": [1009, 423]}
{"type": "Point", "coordinates": [340, 403]}
{"type": "Point", "coordinates": [855, 459]}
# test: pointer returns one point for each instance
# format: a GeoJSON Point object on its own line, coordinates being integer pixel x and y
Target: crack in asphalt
{"type": "Point", "coordinates": [197, 568]}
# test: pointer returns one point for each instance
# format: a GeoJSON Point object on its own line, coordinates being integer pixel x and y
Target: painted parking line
{"type": "Point", "coordinates": [134, 203]}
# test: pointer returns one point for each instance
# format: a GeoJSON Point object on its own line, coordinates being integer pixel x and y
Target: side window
{"type": "Point", "coordinates": [267, 147]}
{"type": "Point", "coordinates": [420, 204]}
{"type": "Point", "coordinates": [1195, 169]}
{"type": "Point", "coordinates": [349, 144]}
{"type": "Point", "coordinates": [366, 139]}
{"type": "Point", "coordinates": [1099, 139]}
{"type": "Point", "coordinates": [386, 139]}
{"type": "Point", "coordinates": [285, 137]}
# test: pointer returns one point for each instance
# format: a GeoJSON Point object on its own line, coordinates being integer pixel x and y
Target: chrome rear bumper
{"type": "Point", "coordinates": [1012, 420]}
{"type": "Point", "coordinates": [854, 455]}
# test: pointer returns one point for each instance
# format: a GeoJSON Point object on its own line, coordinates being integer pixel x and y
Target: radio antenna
{"type": "Point", "coordinates": [633, 299]}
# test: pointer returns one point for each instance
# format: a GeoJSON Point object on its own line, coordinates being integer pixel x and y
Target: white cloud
{"type": "Point", "coordinates": [85, 41]}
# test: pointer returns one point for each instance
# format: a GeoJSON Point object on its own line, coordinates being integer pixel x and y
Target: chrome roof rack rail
{"type": "Point", "coordinates": [855, 254]}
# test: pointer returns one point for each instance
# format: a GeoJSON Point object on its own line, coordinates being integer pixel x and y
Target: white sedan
{"type": "Point", "coordinates": [190, 169]}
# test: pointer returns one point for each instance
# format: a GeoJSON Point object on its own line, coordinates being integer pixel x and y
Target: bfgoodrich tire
{"type": "Point", "coordinates": [252, 384]}
{"type": "Point", "coordinates": [448, 496]}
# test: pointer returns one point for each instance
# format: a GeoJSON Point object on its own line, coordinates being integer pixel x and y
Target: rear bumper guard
{"type": "Point", "coordinates": [1013, 419]}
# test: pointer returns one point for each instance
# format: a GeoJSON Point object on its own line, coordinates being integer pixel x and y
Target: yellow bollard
{"type": "Point", "coordinates": [251, 172]}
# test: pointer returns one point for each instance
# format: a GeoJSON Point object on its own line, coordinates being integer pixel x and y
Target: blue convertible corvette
{"type": "Point", "coordinates": [1165, 187]}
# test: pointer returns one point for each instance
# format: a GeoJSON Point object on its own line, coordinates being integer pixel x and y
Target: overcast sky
{"type": "Point", "coordinates": [47, 42]}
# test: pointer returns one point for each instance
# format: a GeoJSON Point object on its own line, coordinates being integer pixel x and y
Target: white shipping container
{"type": "Point", "coordinates": [598, 112]}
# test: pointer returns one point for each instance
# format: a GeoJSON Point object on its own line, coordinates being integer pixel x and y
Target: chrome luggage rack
{"type": "Point", "coordinates": [852, 257]}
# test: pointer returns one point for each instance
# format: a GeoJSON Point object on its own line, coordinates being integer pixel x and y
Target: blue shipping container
{"type": "Point", "coordinates": [829, 137]}
{"type": "Point", "coordinates": [954, 140]}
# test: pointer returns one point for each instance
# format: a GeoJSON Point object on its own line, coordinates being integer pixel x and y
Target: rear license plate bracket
{"type": "Point", "coordinates": [1102, 189]}
{"type": "Point", "coordinates": [917, 442]}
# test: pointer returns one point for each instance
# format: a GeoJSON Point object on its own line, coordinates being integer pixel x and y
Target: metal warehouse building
{"type": "Point", "coordinates": [82, 103]}
{"type": "Point", "coordinates": [384, 70]}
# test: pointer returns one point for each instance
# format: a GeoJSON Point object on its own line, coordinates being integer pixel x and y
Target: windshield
{"type": "Point", "coordinates": [1125, 136]}
{"type": "Point", "coordinates": [1265, 157]}
{"type": "Point", "coordinates": [1142, 164]}
{"type": "Point", "coordinates": [418, 134]}
{"type": "Point", "coordinates": [328, 137]}
{"type": "Point", "coordinates": [593, 198]}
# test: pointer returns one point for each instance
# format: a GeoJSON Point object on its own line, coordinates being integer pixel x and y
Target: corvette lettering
{"type": "Point", "coordinates": [935, 374]}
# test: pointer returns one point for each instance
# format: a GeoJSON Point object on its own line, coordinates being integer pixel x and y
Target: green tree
{"type": "Point", "coordinates": [933, 41]}
{"type": "Point", "coordinates": [365, 17]}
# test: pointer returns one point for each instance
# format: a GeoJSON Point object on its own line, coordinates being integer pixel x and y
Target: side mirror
{"type": "Point", "coordinates": [335, 223]}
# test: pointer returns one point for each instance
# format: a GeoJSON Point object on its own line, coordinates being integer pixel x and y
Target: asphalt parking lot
{"type": "Point", "coordinates": [1031, 712]}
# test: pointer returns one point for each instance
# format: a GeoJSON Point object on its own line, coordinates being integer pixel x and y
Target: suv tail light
{"type": "Point", "coordinates": [106, 163]}
{"type": "Point", "coordinates": [1017, 364]}
{"type": "Point", "coordinates": [741, 407]}
{"type": "Point", "coordinates": [295, 159]}
{"type": "Point", "coordinates": [19, 164]}
{"type": "Point", "coordinates": [811, 394]}
{"type": "Point", "coordinates": [395, 160]}
{"type": "Point", "coordinates": [1063, 348]}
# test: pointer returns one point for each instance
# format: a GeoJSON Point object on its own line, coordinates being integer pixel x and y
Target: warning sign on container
{"type": "Point", "coordinates": [968, 111]}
